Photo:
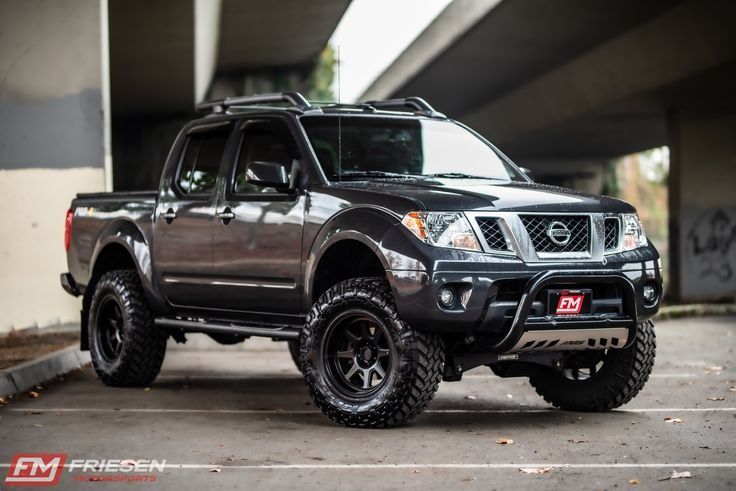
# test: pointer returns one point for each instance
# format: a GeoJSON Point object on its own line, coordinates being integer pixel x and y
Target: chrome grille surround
{"type": "Point", "coordinates": [538, 227]}
{"type": "Point", "coordinates": [521, 245]}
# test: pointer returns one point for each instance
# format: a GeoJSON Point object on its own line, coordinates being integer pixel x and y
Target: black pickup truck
{"type": "Point", "coordinates": [391, 247]}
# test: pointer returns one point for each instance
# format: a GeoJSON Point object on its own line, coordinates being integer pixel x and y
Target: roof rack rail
{"type": "Point", "coordinates": [419, 105]}
{"type": "Point", "coordinates": [219, 106]}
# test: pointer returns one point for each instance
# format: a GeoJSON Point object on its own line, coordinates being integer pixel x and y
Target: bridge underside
{"type": "Point", "coordinates": [167, 55]}
{"type": "Point", "coordinates": [563, 87]}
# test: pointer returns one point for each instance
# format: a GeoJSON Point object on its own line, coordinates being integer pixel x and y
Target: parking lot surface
{"type": "Point", "coordinates": [240, 417]}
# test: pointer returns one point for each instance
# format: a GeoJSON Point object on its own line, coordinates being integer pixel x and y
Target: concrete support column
{"type": "Point", "coordinates": [702, 202]}
{"type": "Point", "coordinates": [51, 147]}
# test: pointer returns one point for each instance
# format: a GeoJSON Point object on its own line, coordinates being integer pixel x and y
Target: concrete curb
{"type": "Point", "coordinates": [696, 310]}
{"type": "Point", "coordinates": [31, 373]}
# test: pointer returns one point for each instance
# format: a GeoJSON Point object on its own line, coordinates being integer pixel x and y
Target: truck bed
{"type": "Point", "coordinates": [119, 195]}
{"type": "Point", "coordinates": [127, 214]}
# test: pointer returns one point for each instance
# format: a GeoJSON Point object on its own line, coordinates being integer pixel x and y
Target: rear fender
{"type": "Point", "coordinates": [127, 234]}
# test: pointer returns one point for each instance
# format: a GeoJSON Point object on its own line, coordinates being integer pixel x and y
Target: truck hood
{"type": "Point", "coordinates": [484, 195]}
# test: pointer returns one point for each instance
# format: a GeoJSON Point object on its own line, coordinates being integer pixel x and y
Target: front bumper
{"type": "Point", "coordinates": [507, 319]}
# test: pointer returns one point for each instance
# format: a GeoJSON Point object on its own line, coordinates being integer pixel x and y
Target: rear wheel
{"type": "Point", "coordinates": [600, 380]}
{"type": "Point", "coordinates": [126, 348]}
{"type": "Point", "coordinates": [363, 365]}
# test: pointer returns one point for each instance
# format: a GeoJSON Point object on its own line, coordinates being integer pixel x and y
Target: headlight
{"type": "Point", "coordinates": [634, 236]}
{"type": "Point", "coordinates": [442, 229]}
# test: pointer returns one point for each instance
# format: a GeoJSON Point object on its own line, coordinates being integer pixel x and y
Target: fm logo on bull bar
{"type": "Point", "coordinates": [570, 304]}
{"type": "Point", "coordinates": [35, 469]}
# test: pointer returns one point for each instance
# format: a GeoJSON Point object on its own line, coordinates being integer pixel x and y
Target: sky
{"type": "Point", "coordinates": [372, 33]}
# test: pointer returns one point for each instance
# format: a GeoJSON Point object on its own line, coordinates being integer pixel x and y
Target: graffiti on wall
{"type": "Point", "coordinates": [710, 241]}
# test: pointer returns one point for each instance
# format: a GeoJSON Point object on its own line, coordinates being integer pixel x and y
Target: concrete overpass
{"type": "Point", "coordinates": [563, 86]}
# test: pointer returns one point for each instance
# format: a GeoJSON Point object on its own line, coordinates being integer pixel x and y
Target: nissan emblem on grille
{"type": "Point", "coordinates": [558, 233]}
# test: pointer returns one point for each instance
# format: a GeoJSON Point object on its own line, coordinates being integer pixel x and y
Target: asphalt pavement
{"type": "Point", "coordinates": [240, 417]}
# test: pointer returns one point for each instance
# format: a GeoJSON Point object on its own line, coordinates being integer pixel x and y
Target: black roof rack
{"type": "Point", "coordinates": [417, 105]}
{"type": "Point", "coordinates": [221, 105]}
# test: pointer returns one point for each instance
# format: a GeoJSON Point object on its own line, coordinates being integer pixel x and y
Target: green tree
{"type": "Point", "coordinates": [319, 84]}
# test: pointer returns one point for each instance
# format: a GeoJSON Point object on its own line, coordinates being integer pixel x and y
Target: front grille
{"type": "Point", "coordinates": [612, 233]}
{"type": "Point", "coordinates": [491, 231]}
{"type": "Point", "coordinates": [538, 225]}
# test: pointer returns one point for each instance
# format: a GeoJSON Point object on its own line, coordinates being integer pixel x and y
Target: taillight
{"type": "Point", "coordinates": [68, 229]}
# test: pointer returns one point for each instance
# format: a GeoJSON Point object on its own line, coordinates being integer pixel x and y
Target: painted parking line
{"type": "Point", "coordinates": [295, 375]}
{"type": "Point", "coordinates": [314, 411]}
{"type": "Point", "coordinates": [482, 465]}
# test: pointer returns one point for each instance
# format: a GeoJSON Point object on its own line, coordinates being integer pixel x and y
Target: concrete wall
{"type": "Point", "coordinates": [703, 204]}
{"type": "Point", "coordinates": [51, 146]}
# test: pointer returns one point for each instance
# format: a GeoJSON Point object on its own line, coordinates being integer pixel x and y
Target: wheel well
{"type": "Point", "coordinates": [112, 256]}
{"type": "Point", "coordinates": [342, 261]}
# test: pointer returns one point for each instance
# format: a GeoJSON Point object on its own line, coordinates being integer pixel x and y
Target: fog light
{"type": "Point", "coordinates": [650, 293]}
{"type": "Point", "coordinates": [446, 297]}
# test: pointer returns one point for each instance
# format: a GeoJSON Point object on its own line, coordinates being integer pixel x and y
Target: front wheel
{"type": "Point", "coordinates": [127, 350]}
{"type": "Point", "coordinates": [595, 381]}
{"type": "Point", "coordinates": [363, 365]}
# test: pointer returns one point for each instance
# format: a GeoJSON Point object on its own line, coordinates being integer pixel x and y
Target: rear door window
{"type": "Point", "coordinates": [200, 162]}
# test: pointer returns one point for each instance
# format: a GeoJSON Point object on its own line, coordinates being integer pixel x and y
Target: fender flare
{"type": "Point", "coordinates": [371, 226]}
{"type": "Point", "coordinates": [126, 233]}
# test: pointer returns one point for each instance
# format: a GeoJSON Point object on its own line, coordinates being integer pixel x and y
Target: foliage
{"type": "Point", "coordinates": [319, 84]}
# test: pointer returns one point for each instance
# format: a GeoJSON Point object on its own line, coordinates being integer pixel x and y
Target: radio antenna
{"type": "Point", "coordinates": [339, 119]}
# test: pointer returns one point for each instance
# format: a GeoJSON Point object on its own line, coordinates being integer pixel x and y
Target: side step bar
{"type": "Point", "coordinates": [281, 332]}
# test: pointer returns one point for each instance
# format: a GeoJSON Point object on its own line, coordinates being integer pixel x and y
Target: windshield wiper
{"type": "Point", "coordinates": [460, 175]}
{"type": "Point", "coordinates": [370, 173]}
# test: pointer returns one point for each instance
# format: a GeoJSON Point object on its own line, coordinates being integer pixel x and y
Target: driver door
{"type": "Point", "coordinates": [258, 229]}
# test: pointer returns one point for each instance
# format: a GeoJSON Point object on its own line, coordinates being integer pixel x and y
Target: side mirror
{"type": "Point", "coordinates": [527, 172]}
{"type": "Point", "coordinates": [268, 174]}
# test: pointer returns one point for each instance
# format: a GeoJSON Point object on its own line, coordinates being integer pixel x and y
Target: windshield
{"type": "Point", "coordinates": [398, 147]}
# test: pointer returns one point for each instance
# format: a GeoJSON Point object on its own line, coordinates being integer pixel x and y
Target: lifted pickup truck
{"type": "Point", "coordinates": [392, 248]}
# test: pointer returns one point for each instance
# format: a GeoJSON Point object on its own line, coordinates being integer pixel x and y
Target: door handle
{"type": "Point", "coordinates": [226, 215]}
{"type": "Point", "coordinates": [169, 215]}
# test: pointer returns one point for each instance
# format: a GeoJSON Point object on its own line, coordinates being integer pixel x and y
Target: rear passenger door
{"type": "Point", "coordinates": [184, 219]}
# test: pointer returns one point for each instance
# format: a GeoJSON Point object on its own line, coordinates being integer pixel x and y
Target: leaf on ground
{"type": "Point", "coordinates": [572, 440]}
{"type": "Point", "coordinates": [535, 470]}
{"type": "Point", "coordinates": [505, 441]}
{"type": "Point", "coordinates": [147, 389]}
{"type": "Point", "coordinates": [719, 398]}
{"type": "Point", "coordinates": [33, 394]}
{"type": "Point", "coordinates": [634, 482]}
{"type": "Point", "coordinates": [677, 475]}
{"type": "Point", "coordinates": [672, 420]}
